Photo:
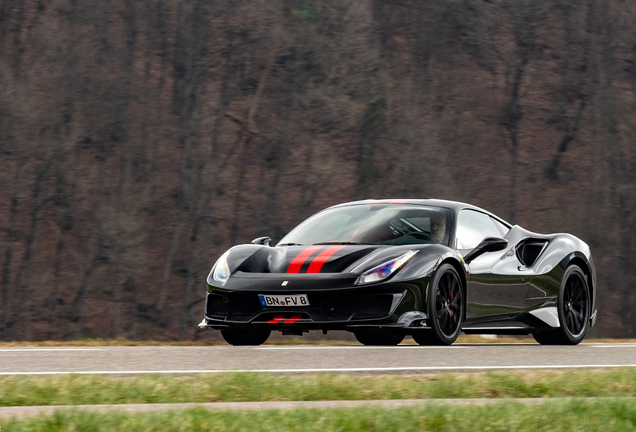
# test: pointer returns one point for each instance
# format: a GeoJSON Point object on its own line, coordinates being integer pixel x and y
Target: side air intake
{"type": "Point", "coordinates": [529, 250]}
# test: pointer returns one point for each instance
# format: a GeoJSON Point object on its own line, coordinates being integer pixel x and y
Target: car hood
{"type": "Point", "coordinates": [330, 258]}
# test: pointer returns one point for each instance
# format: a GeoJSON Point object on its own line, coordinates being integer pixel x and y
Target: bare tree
{"type": "Point", "coordinates": [94, 253]}
{"type": "Point", "coordinates": [123, 121]}
{"type": "Point", "coordinates": [526, 18]}
{"type": "Point", "coordinates": [247, 134]}
{"type": "Point", "coordinates": [40, 199]}
{"type": "Point", "coordinates": [11, 238]}
{"type": "Point", "coordinates": [579, 82]}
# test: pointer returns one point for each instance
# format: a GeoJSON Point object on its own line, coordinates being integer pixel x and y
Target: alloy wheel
{"type": "Point", "coordinates": [449, 303]}
{"type": "Point", "coordinates": [575, 305]}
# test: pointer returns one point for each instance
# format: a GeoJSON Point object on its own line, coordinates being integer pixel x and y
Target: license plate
{"type": "Point", "coordinates": [284, 300]}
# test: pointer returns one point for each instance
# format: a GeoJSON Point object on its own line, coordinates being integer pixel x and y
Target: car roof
{"type": "Point", "coordinates": [453, 205]}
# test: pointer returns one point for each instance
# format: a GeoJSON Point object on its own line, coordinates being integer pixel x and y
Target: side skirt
{"type": "Point", "coordinates": [523, 324]}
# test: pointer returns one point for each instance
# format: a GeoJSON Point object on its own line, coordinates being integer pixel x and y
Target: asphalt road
{"type": "Point", "coordinates": [311, 358]}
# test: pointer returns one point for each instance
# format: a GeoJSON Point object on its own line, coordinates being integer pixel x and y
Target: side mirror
{"type": "Point", "coordinates": [489, 244]}
{"type": "Point", "coordinates": [263, 241]}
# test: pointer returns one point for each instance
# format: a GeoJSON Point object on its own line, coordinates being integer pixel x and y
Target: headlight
{"type": "Point", "coordinates": [385, 270]}
{"type": "Point", "coordinates": [221, 271]}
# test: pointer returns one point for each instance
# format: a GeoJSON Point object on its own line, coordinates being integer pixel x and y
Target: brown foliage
{"type": "Point", "coordinates": [141, 138]}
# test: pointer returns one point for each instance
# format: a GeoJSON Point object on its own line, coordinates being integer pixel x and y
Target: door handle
{"type": "Point", "coordinates": [525, 277]}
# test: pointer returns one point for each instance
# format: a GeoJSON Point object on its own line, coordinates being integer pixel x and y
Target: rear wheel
{"type": "Point", "coordinates": [245, 336]}
{"type": "Point", "coordinates": [573, 307]}
{"type": "Point", "coordinates": [379, 337]}
{"type": "Point", "coordinates": [446, 305]}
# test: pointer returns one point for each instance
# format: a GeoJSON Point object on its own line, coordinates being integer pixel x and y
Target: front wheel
{"type": "Point", "coordinates": [573, 307]}
{"type": "Point", "coordinates": [238, 337]}
{"type": "Point", "coordinates": [379, 337]}
{"type": "Point", "coordinates": [446, 306]}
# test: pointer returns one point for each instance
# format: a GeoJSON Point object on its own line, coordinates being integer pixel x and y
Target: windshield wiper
{"type": "Point", "coordinates": [343, 243]}
{"type": "Point", "coordinates": [290, 244]}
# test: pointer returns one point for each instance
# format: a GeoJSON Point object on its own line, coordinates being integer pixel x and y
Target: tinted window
{"type": "Point", "coordinates": [473, 227]}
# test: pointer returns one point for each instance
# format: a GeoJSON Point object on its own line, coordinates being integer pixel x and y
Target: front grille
{"type": "Point", "coordinates": [357, 308]}
{"type": "Point", "coordinates": [217, 307]}
{"type": "Point", "coordinates": [231, 307]}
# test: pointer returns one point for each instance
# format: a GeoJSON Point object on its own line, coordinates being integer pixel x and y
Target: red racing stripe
{"type": "Point", "coordinates": [299, 260]}
{"type": "Point", "coordinates": [293, 319]}
{"type": "Point", "coordinates": [388, 202]}
{"type": "Point", "coordinates": [321, 259]}
{"type": "Point", "coordinates": [277, 319]}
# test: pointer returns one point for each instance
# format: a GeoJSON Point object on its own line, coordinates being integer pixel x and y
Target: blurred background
{"type": "Point", "coordinates": [141, 138]}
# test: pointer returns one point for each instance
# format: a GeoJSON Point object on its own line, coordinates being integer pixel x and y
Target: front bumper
{"type": "Point", "coordinates": [397, 305]}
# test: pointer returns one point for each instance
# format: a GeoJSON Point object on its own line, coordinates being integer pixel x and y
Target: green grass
{"type": "Point", "coordinates": [236, 387]}
{"type": "Point", "coordinates": [565, 415]}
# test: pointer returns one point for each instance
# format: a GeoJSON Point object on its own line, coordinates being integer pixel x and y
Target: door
{"type": "Point", "coordinates": [497, 282]}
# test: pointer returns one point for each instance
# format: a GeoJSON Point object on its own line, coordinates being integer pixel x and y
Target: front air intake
{"type": "Point", "coordinates": [358, 308]}
{"type": "Point", "coordinates": [231, 307]}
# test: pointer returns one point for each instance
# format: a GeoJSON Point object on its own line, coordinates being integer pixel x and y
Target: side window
{"type": "Point", "coordinates": [473, 227]}
{"type": "Point", "coordinates": [502, 228]}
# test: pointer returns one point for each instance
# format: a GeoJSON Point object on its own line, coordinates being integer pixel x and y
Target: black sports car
{"type": "Point", "coordinates": [389, 268]}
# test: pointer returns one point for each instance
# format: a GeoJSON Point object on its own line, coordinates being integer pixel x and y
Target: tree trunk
{"type": "Point", "coordinates": [53, 330]}
{"type": "Point", "coordinates": [510, 120]}
{"type": "Point", "coordinates": [243, 152]}
{"type": "Point", "coordinates": [12, 237]}
{"type": "Point", "coordinates": [39, 200]}
{"type": "Point", "coordinates": [17, 40]}
{"type": "Point", "coordinates": [125, 97]}
{"type": "Point", "coordinates": [92, 253]}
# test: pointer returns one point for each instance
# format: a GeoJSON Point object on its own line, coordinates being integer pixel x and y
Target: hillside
{"type": "Point", "coordinates": [140, 139]}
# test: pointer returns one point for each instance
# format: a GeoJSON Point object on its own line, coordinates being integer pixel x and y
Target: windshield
{"type": "Point", "coordinates": [374, 224]}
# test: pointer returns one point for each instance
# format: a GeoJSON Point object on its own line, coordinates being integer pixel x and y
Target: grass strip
{"type": "Point", "coordinates": [566, 415]}
{"type": "Point", "coordinates": [248, 386]}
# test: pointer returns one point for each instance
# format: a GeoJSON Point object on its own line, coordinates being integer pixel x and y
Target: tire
{"type": "Point", "coordinates": [446, 308]}
{"type": "Point", "coordinates": [573, 306]}
{"type": "Point", "coordinates": [379, 337]}
{"type": "Point", "coordinates": [245, 336]}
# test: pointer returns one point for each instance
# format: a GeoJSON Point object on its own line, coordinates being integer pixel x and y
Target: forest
{"type": "Point", "coordinates": [139, 139]}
